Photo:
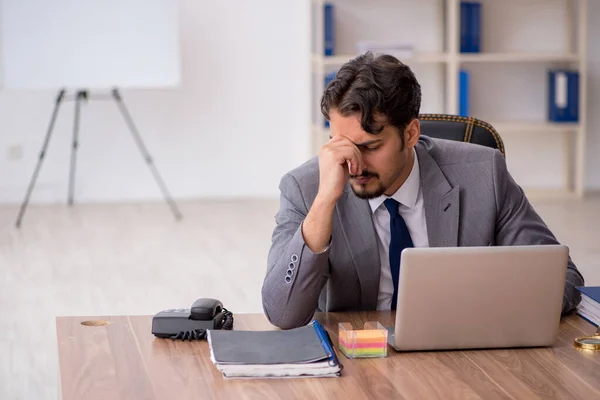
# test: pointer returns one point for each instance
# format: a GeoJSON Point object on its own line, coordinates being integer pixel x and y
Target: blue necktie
{"type": "Point", "coordinates": [400, 239]}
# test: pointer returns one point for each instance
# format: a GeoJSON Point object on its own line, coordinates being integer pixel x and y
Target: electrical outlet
{"type": "Point", "coordinates": [14, 152]}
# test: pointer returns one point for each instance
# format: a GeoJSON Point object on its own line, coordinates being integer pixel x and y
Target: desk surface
{"type": "Point", "coordinates": [124, 360]}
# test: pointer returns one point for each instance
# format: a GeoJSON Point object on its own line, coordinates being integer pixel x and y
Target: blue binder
{"type": "Point", "coordinates": [463, 93]}
{"type": "Point", "coordinates": [328, 78]}
{"type": "Point", "coordinates": [563, 96]}
{"type": "Point", "coordinates": [470, 27]}
{"type": "Point", "coordinates": [328, 30]}
{"type": "Point", "coordinates": [573, 96]}
{"type": "Point", "coordinates": [464, 24]}
{"type": "Point", "coordinates": [475, 27]}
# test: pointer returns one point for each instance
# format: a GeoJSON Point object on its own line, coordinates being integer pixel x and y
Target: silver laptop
{"type": "Point", "coordinates": [479, 297]}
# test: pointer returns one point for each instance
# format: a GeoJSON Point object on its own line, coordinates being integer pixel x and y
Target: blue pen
{"type": "Point", "coordinates": [325, 343]}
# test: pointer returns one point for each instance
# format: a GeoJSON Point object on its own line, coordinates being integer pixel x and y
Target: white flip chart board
{"type": "Point", "coordinates": [87, 44]}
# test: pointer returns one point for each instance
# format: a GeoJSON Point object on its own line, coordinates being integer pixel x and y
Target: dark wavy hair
{"type": "Point", "coordinates": [381, 88]}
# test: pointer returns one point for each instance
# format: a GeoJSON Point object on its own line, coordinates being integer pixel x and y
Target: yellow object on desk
{"type": "Point", "coordinates": [589, 342]}
{"type": "Point", "coordinates": [371, 341]}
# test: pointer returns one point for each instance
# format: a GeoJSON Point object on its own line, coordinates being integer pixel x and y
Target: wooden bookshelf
{"type": "Point", "coordinates": [451, 60]}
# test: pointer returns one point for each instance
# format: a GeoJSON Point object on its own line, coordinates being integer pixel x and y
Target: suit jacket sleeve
{"type": "Point", "coordinates": [295, 275]}
{"type": "Point", "coordinates": [518, 224]}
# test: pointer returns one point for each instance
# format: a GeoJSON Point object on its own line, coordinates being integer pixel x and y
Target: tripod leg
{"type": "Point", "coordinates": [146, 155]}
{"type": "Point", "coordinates": [74, 148]}
{"type": "Point", "coordinates": [59, 99]}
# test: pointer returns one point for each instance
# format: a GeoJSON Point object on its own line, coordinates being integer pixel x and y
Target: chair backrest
{"type": "Point", "coordinates": [462, 129]}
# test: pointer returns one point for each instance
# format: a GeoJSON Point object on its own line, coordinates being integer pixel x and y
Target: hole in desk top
{"type": "Point", "coordinates": [96, 323]}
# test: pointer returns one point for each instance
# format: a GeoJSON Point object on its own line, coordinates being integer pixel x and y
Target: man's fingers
{"type": "Point", "coordinates": [336, 139]}
{"type": "Point", "coordinates": [359, 164]}
{"type": "Point", "coordinates": [355, 158]}
{"type": "Point", "coordinates": [351, 156]}
{"type": "Point", "coordinates": [346, 153]}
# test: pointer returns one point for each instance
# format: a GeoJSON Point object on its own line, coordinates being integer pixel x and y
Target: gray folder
{"type": "Point", "coordinates": [300, 345]}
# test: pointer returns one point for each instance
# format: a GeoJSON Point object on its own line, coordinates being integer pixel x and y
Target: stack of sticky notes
{"type": "Point", "coordinates": [361, 343]}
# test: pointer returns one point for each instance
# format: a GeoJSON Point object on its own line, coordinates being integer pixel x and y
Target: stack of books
{"type": "Point", "coordinates": [301, 352]}
{"type": "Point", "coordinates": [589, 308]}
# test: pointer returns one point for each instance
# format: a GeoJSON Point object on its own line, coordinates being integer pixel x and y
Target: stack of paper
{"type": "Point", "coordinates": [364, 343]}
{"type": "Point", "coordinates": [589, 308]}
{"type": "Point", "coordinates": [301, 352]}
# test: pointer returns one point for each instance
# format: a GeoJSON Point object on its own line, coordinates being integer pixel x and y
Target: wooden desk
{"type": "Point", "coordinates": [124, 360]}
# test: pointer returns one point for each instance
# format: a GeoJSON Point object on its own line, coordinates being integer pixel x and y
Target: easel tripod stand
{"type": "Point", "coordinates": [80, 96]}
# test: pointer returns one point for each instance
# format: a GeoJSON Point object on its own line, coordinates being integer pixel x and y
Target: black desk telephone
{"type": "Point", "coordinates": [192, 324]}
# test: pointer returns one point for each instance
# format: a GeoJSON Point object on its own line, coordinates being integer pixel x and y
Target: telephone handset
{"type": "Point", "coordinates": [192, 323]}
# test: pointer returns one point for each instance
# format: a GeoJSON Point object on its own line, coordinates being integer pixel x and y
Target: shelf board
{"type": "Point", "coordinates": [339, 60]}
{"type": "Point", "coordinates": [509, 126]}
{"type": "Point", "coordinates": [516, 57]}
{"type": "Point", "coordinates": [463, 57]}
{"type": "Point", "coordinates": [517, 126]}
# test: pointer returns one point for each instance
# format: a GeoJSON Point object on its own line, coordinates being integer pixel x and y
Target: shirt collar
{"type": "Point", "coordinates": [407, 193]}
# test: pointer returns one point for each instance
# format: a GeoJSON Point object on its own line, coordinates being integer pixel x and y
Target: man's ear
{"type": "Point", "coordinates": [412, 133]}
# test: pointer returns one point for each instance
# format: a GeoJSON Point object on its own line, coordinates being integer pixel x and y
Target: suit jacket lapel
{"type": "Point", "coordinates": [357, 225]}
{"type": "Point", "coordinates": [441, 202]}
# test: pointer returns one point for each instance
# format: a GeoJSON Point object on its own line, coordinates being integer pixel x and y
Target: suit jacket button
{"type": "Point", "coordinates": [288, 279]}
{"type": "Point", "coordinates": [294, 258]}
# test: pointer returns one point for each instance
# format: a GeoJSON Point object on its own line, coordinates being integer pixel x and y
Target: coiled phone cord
{"type": "Point", "coordinates": [200, 334]}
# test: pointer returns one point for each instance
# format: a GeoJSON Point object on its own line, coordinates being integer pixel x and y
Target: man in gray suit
{"type": "Point", "coordinates": [377, 187]}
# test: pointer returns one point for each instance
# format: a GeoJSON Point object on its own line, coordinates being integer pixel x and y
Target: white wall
{"type": "Point", "coordinates": [241, 118]}
{"type": "Point", "coordinates": [234, 127]}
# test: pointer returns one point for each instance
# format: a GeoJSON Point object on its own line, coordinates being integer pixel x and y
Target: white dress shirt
{"type": "Point", "coordinates": [410, 197]}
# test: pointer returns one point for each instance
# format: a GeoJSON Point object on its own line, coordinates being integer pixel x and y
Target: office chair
{"type": "Point", "coordinates": [462, 129]}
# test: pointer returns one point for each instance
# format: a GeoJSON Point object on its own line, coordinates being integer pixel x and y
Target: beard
{"type": "Point", "coordinates": [372, 189]}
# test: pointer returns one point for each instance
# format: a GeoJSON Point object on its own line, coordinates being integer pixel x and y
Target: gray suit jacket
{"type": "Point", "coordinates": [470, 199]}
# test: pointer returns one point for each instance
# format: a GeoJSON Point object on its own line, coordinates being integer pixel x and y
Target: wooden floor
{"type": "Point", "coordinates": [135, 259]}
